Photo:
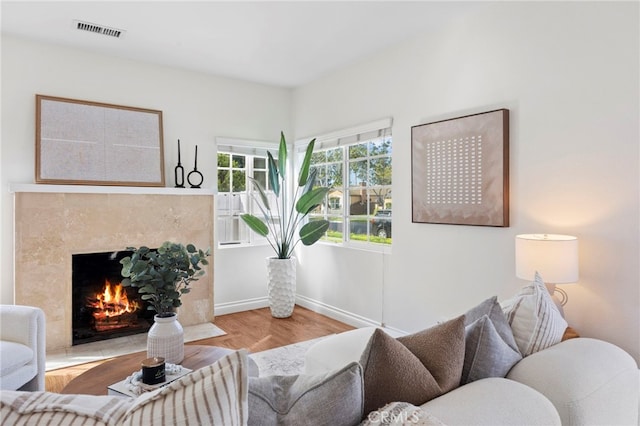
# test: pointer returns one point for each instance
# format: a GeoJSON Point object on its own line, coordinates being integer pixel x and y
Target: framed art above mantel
{"type": "Point", "coordinates": [460, 170]}
{"type": "Point", "coordinates": [92, 143]}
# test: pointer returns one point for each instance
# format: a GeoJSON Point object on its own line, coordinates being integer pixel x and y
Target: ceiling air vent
{"type": "Point", "coordinates": [98, 29]}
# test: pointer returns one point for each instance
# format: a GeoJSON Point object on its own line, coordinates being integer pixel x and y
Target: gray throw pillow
{"type": "Point", "coordinates": [492, 308]}
{"type": "Point", "coordinates": [490, 348]}
{"type": "Point", "coordinates": [334, 398]}
{"type": "Point", "coordinates": [486, 353]}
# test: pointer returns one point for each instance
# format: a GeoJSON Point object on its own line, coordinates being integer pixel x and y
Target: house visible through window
{"type": "Point", "coordinates": [357, 169]}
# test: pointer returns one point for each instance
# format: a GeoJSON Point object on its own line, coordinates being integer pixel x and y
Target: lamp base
{"type": "Point", "coordinates": [560, 300]}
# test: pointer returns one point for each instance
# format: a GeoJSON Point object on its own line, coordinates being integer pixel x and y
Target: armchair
{"type": "Point", "coordinates": [22, 348]}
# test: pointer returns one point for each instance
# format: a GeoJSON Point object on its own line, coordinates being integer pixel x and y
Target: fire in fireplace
{"type": "Point", "coordinates": [101, 307]}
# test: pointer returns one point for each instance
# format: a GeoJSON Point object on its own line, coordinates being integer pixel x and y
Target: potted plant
{"type": "Point", "coordinates": [162, 276]}
{"type": "Point", "coordinates": [280, 223]}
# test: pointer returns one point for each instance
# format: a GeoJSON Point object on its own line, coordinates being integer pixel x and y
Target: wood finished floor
{"type": "Point", "coordinates": [254, 330]}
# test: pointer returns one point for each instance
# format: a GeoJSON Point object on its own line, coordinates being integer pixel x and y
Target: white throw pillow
{"type": "Point", "coordinates": [534, 318]}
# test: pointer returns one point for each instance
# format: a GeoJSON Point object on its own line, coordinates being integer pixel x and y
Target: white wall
{"type": "Point", "coordinates": [567, 71]}
{"type": "Point", "coordinates": [196, 109]}
{"type": "Point", "coordinates": [569, 74]}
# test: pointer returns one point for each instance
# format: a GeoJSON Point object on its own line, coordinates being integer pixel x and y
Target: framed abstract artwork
{"type": "Point", "coordinates": [460, 170]}
{"type": "Point", "coordinates": [91, 143]}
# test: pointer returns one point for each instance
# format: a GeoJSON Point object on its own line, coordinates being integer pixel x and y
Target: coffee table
{"type": "Point", "coordinates": [95, 380]}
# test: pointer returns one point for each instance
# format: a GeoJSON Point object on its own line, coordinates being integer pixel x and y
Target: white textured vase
{"type": "Point", "coordinates": [166, 339]}
{"type": "Point", "coordinates": [282, 286]}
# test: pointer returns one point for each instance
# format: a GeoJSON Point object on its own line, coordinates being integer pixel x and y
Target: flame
{"type": "Point", "coordinates": [112, 302]}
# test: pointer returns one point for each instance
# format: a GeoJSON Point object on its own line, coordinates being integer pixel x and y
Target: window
{"type": "Point", "coordinates": [357, 168]}
{"type": "Point", "coordinates": [237, 162]}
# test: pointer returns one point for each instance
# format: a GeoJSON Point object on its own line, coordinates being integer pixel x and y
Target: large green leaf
{"type": "Point", "coordinates": [282, 156]}
{"type": "Point", "coordinates": [273, 175]}
{"type": "Point", "coordinates": [261, 191]}
{"type": "Point", "coordinates": [313, 231]}
{"type": "Point", "coordinates": [306, 163]}
{"type": "Point", "coordinates": [310, 182]}
{"type": "Point", "coordinates": [311, 200]}
{"type": "Point", "coordinates": [256, 224]}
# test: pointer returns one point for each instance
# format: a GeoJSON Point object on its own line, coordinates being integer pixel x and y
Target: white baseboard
{"type": "Point", "coordinates": [240, 306]}
{"type": "Point", "coordinates": [336, 313]}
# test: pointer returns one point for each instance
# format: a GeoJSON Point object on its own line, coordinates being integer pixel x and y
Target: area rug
{"type": "Point", "coordinates": [283, 361]}
{"type": "Point", "coordinates": [97, 351]}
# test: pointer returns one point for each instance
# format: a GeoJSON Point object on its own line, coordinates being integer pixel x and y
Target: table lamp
{"type": "Point", "coordinates": [554, 257]}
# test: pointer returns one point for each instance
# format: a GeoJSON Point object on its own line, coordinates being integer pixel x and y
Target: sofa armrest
{"type": "Point", "coordinates": [493, 401]}
{"type": "Point", "coordinates": [589, 381]}
{"type": "Point", "coordinates": [26, 325]}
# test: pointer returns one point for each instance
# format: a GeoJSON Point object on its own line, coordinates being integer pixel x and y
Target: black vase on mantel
{"type": "Point", "coordinates": [178, 172]}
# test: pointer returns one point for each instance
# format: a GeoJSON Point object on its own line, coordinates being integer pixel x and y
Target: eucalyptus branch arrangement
{"type": "Point", "coordinates": [280, 221]}
{"type": "Point", "coordinates": [164, 274]}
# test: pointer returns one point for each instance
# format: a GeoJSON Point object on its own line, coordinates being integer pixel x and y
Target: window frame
{"type": "Point", "coordinates": [344, 139]}
{"type": "Point", "coordinates": [250, 149]}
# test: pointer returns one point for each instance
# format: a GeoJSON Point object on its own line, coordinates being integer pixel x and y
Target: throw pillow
{"type": "Point", "coordinates": [413, 368]}
{"type": "Point", "coordinates": [401, 413]}
{"type": "Point", "coordinates": [324, 399]}
{"type": "Point", "coordinates": [486, 353]}
{"type": "Point", "coordinates": [535, 320]}
{"type": "Point", "coordinates": [35, 408]}
{"type": "Point", "coordinates": [490, 348]}
{"type": "Point", "coordinates": [492, 308]}
{"type": "Point", "coordinates": [213, 395]}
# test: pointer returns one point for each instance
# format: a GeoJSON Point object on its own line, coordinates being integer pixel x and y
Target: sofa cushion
{"type": "Point", "coordinates": [216, 394]}
{"type": "Point", "coordinates": [30, 408]}
{"type": "Point", "coordinates": [401, 413]}
{"type": "Point", "coordinates": [490, 348]}
{"type": "Point", "coordinates": [494, 401]}
{"type": "Point", "coordinates": [13, 355]}
{"type": "Point", "coordinates": [413, 368]}
{"type": "Point", "coordinates": [324, 399]}
{"type": "Point", "coordinates": [535, 319]}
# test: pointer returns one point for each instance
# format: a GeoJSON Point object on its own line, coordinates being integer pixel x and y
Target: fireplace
{"type": "Point", "coordinates": [52, 223]}
{"type": "Point", "coordinates": [101, 307]}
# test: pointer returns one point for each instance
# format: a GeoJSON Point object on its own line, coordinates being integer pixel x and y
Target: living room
{"type": "Point", "coordinates": [568, 73]}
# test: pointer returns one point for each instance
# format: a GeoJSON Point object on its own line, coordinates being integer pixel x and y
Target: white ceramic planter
{"type": "Point", "coordinates": [166, 339]}
{"type": "Point", "coordinates": [282, 286]}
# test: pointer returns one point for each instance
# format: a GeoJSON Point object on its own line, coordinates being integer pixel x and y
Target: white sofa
{"type": "Point", "coordinates": [579, 381]}
{"type": "Point", "coordinates": [22, 348]}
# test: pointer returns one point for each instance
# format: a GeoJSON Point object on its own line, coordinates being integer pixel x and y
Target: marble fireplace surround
{"type": "Point", "coordinates": [53, 222]}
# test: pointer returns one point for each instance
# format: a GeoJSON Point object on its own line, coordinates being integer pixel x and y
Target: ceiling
{"type": "Point", "coordinates": [279, 43]}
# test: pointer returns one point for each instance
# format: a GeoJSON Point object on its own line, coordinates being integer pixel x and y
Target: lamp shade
{"type": "Point", "coordinates": [555, 257]}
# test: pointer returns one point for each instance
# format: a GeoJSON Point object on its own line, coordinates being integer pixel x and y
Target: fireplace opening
{"type": "Point", "coordinates": [101, 307]}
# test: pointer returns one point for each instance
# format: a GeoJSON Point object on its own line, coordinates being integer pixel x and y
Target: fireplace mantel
{"type": "Point", "coordinates": [91, 189]}
{"type": "Point", "coordinates": [53, 222]}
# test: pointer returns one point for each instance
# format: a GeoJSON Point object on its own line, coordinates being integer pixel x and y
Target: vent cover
{"type": "Point", "coordinates": [98, 29]}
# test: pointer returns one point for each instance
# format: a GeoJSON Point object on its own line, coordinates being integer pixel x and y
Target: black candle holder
{"type": "Point", "coordinates": [197, 176]}
{"type": "Point", "coordinates": [178, 172]}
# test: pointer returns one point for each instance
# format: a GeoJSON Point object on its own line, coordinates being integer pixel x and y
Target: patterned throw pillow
{"type": "Point", "coordinates": [413, 368]}
{"type": "Point", "coordinates": [490, 348]}
{"type": "Point", "coordinates": [213, 395]}
{"type": "Point", "coordinates": [534, 318]}
{"type": "Point", "coordinates": [333, 398]}
{"type": "Point", "coordinates": [401, 413]}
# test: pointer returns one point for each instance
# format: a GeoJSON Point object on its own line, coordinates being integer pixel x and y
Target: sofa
{"type": "Point", "coordinates": [579, 381]}
{"type": "Point", "coordinates": [22, 348]}
{"type": "Point", "coordinates": [507, 363]}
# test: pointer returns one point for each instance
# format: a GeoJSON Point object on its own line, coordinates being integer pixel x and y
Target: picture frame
{"type": "Point", "coordinates": [92, 143]}
{"type": "Point", "coordinates": [460, 170]}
